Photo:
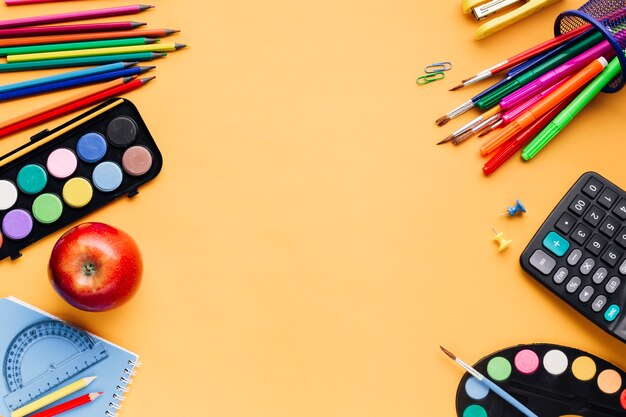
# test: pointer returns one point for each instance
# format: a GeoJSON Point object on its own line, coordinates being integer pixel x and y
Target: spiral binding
{"type": "Point", "coordinates": [122, 388]}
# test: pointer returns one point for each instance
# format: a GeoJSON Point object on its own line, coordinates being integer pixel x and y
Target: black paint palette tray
{"type": "Point", "coordinates": [551, 380]}
{"type": "Point", "coordinates": [65, 173]}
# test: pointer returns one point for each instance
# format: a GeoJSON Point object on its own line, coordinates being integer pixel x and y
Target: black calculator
{"type": "Point", "coordinates": [579, 252]}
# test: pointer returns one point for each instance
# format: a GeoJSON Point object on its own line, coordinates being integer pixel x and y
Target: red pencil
{"type": "Point", "coordinates": [69, 405]}
{"type": "Point", "coordinates": [65, 29]}
{"type": "Point", "coordinates": [48, 114]}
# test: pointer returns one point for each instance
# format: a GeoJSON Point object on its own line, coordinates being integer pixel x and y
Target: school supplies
{"type": "Point", "coordinates": [69, 29]}
{"type": "Point", "coordinates": [69, 405]}
{"type": "Point", "coordinates": [81, 62]}
{"type": "Point", "coordinates": [551, 380]}
{"type": "Point", "coordinates": [490, 385]}
{"type": "Point", "coordinates": [53, 397]}
{"type": "Point", "coordinates": [21, 2]}
{"type": "Point", "coordinates": [438, 67]}
{"type": "Point", "coordinates": [503, 243]}
{"type": "Point", "coordinates": [38, 179]}
{"type": "Point", "coordinates": [45, 356]}
{"type": "Point", "coordinates": [517, 208]}
{"type": "Point", "coordinates": [481, 10]}
{"type": "Point", "coordinates": [578, 252]}
{"type": "Point", "coordinates": [55, 47]}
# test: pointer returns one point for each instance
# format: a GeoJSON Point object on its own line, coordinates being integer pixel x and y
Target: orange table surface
{"type": "Point", "coordinates": [307, 247]}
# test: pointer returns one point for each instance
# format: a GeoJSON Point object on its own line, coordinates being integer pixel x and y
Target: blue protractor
{"type": "Point", "coordinates": [45, 355]}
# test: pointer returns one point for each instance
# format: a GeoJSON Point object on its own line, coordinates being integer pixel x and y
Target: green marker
{"type": "Point", "coordinates": [572, 109]}
{"type": "Point", "coordinates": [521, 80]}
{"type": "Point", "coordinates": [80, 62]}
{"type": "Point", "coordinates": [55, 47]}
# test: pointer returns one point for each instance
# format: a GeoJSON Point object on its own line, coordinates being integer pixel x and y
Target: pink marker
{"type": "Point", "coordinates": [512, 114]}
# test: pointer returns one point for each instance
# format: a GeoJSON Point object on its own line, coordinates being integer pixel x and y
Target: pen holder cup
{"type": "Point", "coordinates": [606, 16]}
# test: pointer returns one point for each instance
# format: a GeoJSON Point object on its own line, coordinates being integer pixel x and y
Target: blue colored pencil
{"type": "Point", "coordinates": [76, 82]}
{"type": "Point", "coordinates": [66, 76]}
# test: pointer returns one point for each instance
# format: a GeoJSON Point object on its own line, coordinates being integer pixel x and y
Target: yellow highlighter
{"type": "Point", "coordinates": [53, 397]}
{"type": "Point", "coordinates": [481, 9]}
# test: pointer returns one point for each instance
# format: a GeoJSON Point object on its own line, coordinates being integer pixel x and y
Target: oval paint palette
{"type": "Point", "coordinates": [66, 173]}
{"type": "Point", "coordinates": [551, 380]}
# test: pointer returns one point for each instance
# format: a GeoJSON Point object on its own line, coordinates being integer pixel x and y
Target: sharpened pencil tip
{"type": "Point", "coordinates": [171, 31]}
{"type": "Point", "coordinates": [137, 24]}
{"type": "Point", "coordinates": [146, 69]}
{"type": "Point", "coordinates": [126, 80]}
{"type": "Point", "coordinates": [152, 40]}
{"type": "Point", "coordinates": [457, 87]}
{"type": "Point", "coordinates": [448, 139]}
{"type": "Point", "coordinates": [447, 352]}
{"type": "Point", "coordinates": [147, 79]}
{"type": "Point", "coordinates": [442, 120]}
{"type": "Point", "coordinates": [180, 45]}
{"type": "Point", "coordinates": [143, 7]}
{"type": "Point", "coordinates": [130, 64]}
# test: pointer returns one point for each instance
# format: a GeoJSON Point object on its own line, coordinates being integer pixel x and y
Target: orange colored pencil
{"type": "Point", "coordinates": [68, 405]}
{"type": "Point", "coordinates": [525, 119]}
{"type": "Point", "coordinates": [81, 37]}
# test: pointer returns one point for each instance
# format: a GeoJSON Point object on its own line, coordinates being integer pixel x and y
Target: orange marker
{"type": "Point", "coordinates": [526, 119]}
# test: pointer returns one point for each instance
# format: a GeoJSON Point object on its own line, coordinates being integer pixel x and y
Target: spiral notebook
{"type": "Point", "coordinates": [41, 354]}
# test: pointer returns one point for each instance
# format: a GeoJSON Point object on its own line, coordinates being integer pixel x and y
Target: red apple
{"type": "Point", "coordinates": [95, 267]}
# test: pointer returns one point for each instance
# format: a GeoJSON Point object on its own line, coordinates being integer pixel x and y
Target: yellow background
{"type": "Point", "coordinates": [307, 247]}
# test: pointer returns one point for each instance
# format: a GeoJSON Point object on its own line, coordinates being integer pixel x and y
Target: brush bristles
{"type": "Point", "coordinates": [447, 352]}
{"type": "Point", "coordinates": [485, 132]}
{"type": "Point", "coordinates": [457, 87]}
{"type": "Point", "coordinates": [448, 139]}
{"type": "Point", "coordinates": [463, 137]}
{"type": "Point", "coordinates": [442, 120]}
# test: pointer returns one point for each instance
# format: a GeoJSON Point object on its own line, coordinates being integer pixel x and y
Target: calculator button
{"type": "Point", "coordinates": [556, 244]}
{"type": "Point", "coordinates": [609, 227]}
{"type": "Point", "coordinates": [612, 255]}
{"type": "Point", "coordinates": [620, 209]}
{"type": "Point", "coordinates": [580, 234]}
{"type": "Point", "coordinates": [573, 285]}
{"type": "Point", "coordinates": [621, 238]}
{"type": "Point", "coordinates": [586, 294]}
{"type": "Point", "coordinates": [612, 312]}
{"type": "Point", "coordinates": [622, 268]}
{"type": "Point", "coordinates": [587, 266]}
{"type": "Point", "coordinates": [565, 223]}
{"type": "Point", "coordinates": [560, 275]}
{"type": "Point", "coordinates": [592, 188]}
{"type": "Point", "coordinates": [594, 216]}
{"type": "Point", "coordinates": [607, 198]}
{"type": "Point", "coordinates": [579, 205]}
{"type": "Point", "coordinates": [598, 303]}
{"type": "Point", "coordinates": [612, 285]}
{"type": "Point", "coordinates": [542, 261]}
{"type": "Point", "coordinates": [574, 257]}
{"type": "Point", "coordinates": [599, 276]}
{"type": "Point", "coordinates": [596, 245]}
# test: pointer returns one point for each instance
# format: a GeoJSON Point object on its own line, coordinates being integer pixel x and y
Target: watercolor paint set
{"type": "Point", "coordinates": [550, 380]}
{"type": "Point", "coordinates": [68, 172]}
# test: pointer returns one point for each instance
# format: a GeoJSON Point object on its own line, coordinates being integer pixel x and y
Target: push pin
{"type": "Point", "coordinates": [499, 237]}
{"type": "Point", "coordinates": [518, 208]}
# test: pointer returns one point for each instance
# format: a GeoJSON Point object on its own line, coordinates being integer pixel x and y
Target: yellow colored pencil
{"type": "Point", "coordinates": [53, 397]}
{"type": "Point", "coordinates": [155, 47]}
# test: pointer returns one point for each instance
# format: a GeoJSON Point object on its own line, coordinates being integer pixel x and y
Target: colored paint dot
{"type": "Point", "coordinates": [8, 194]}
{"type": "Point", "coordinates": [475, 410]}
{"type": "Point", "coordinates": [526, 361]}
{"type": "Point", "coordinates": [622, 399]}
{"type": "Point", "coordinates": [17, 224]}
{"type": "Point", "coordinates": [609, 381]}
{"type": "Point", "coordinates": [499, 368]}
{"type": "Point", "coordinates": [476, 389]}
{"type": "Point", "coordinates": [62, 163]}
{"type": "Point", "coordinates": [122, 131]}
{"type": "Point", "coordinates": [47, 208]}
{"type": "Point", "coordinates": [91, 147]}
{"type": "Point", "coordinates": [137, 160]}
{"type": "Point", "coordinates": [555, 362]}
{"type": "Point", "coordinates": [77, 192]}
{"type": "Point", "coordinates": [32, 179]}
{"type": "Point", "coordinates": [584, 368]}
{"type": "Point", "coordinates": [107, 176]}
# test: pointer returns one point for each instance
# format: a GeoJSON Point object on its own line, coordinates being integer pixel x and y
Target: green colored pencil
{"type": "Point", "coordinates": [55, 47]}
{"type": "Point", "coordinates": [79, 62]}
{"type": "Point", "coordinates": [158, 47]}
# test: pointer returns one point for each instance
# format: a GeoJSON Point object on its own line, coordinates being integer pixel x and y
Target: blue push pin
{"type": "Point", "coordinates": [512, 211]}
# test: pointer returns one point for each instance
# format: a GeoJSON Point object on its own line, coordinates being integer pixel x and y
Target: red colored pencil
{"type": "Point", "coordinates": [65, 29]}
{"type": "Point", "coordinates": [36, 118]}
{"type": "Point", "coordinates": [69, 405]}
{"type": "Point", "coordinates": [82, 37]}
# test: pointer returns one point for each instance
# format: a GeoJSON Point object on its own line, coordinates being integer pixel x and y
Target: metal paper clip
{"type": "Point", "coordinates": [438, 67]}
{"type": "Point", "coordinates": [429, 78]}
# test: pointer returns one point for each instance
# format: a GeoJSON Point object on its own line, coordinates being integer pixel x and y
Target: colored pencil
{"type": "Point", "coordinates": [54, 47]}
{"type": "Point", "coordinates": [491, 385]}
{"type": "Point", "coordinates": [81, 383]}
{"type": "Point", "coordinates": [44, 40]}
{"type": "Point", "coordinates": [73, 16]}
{"type": "Point", "coordinates": [69, 29]}
{"type": "Point", "coordinates": [73, 83]}
{"type": "Point", "coordinates": [66, 76]}
{"type": "Point", "coordinates": [21, 2]}
{"type": "Point", "coordinates": [158, 47]}
{"type": "Point", "coordinates": [80, 62]}
{"type": "Point", "coordinates": [70, 104]}
{"type": "Point", "coordinates": [69, 405]}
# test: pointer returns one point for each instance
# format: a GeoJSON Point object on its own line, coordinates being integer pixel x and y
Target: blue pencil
{"type": "Point", "coordinates": [495, 388]}
{"type": "Point", "coordinates": [76, 82]}
{"type": "Point", "coordinates": [66, 76]}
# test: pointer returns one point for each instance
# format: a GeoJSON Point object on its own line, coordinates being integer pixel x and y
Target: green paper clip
{"type": "Point", "coordinates": [429, 78]}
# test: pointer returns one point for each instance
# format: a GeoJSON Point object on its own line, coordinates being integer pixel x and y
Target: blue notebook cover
{"type": "Point", "coordinates": [42, 354]}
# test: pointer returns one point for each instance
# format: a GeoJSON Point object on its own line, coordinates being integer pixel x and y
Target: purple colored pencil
{"type": "Point", "coordinates": [68, 29]}
{"type": "Point", "coordinates": [73, 16]}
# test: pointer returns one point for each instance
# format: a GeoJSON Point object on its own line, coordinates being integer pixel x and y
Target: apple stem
{"type": "Point", "coordinates": [89, 269]}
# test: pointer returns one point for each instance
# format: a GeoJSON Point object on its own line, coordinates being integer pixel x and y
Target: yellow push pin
{"type": "Point", "coordinates": [499, 237]}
